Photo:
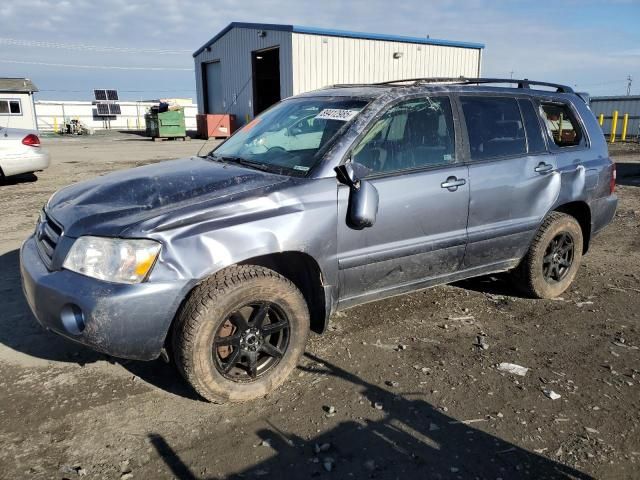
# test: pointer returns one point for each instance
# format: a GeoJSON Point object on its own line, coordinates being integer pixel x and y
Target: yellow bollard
{"type": "Point", "coordinates": [625, 123]}
{"type": "Point", "coordinates": [55, 124]}
{"type": "Point", "coordinates": [128, 125]}
{"type": "Point", "coordinates": [601, 119]}
{"type": "Point", "coordinates": [614, 127]}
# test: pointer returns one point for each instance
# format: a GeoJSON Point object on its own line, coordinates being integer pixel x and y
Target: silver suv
{"type": "Point", "coordinates": [328, 200]}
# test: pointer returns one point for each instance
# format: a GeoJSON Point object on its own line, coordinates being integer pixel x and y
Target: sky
{"type": "Point", "coordinates": [144, 48]}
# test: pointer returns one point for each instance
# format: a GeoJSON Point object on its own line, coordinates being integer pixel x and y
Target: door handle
{"type": "Point", "coordinates": [453, 183]}
{"type": "Point", "coordinates": [543, 168]}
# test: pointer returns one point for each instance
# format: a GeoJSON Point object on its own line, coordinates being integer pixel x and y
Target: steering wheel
{"type": "Point", "coordinates": [275, 149]}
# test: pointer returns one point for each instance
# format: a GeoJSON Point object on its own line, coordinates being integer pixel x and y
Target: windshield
{"type": "Point", "coordinates": [290, 137]}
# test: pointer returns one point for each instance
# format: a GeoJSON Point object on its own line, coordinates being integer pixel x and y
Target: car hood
{"type": "Point", "coordinates": [110, 204]}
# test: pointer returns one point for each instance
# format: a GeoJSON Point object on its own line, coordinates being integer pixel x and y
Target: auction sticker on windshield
{"type": "Point", "coordinates": [336, 114]}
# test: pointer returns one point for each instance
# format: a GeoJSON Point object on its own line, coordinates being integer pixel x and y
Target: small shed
{"type": "Point", "coordinates": [629, 104]}
{"type": "Point", "coordinates": [17, 108]}
{"type": "Point", "coordinates": [248, 67]}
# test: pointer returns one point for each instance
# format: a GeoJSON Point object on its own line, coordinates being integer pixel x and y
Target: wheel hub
{"type": "Point", "coordinates": [558, 258]}
{"type": "Point", "coordinates": [251, 340]}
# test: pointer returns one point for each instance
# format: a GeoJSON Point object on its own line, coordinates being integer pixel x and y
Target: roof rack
{"type": "Point", "coordinates": [522, 83]}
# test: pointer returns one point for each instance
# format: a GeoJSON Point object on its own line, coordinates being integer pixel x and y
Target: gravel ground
{"type": "Point", "coordinates": [399, 388]}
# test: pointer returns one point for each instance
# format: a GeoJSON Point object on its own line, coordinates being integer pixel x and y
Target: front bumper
{"type": "Point", "coordinates": [126, 321]}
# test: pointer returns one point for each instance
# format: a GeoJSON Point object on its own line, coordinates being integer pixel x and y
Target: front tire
{"type": "Point", "coordinates": [553, 259]}
{"type": "Point", "coordinates": [240, 334]}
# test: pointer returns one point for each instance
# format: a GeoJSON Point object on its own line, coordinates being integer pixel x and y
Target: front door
{"type": "Point", "coordinates": [420, 230]}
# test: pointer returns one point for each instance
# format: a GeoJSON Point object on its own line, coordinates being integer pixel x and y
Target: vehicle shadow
{"type": "Point", "coordinates": [628, 174]}
{"type": "Point", "coordinates": [413, 439]}
{"type": "Point", "coordinates": [20, 332]}
{"type": "Point", "coordinates": [494, 284]}
{"type": "Point", "coordinates": [17, 179]}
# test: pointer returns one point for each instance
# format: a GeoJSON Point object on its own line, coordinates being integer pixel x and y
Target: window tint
{"type": "Point", "coordinates": [561, 124]}
{"type": "Point", "coordinates": [535, 141]}
{"type": "Point", "coordinates": [413, 134]}
{"type": "Point", "coordinates": [10, 107]}
{"type": "Point", "coordinates": [14, 106]}
{"type": "Point", "coordinates": [494, 126]}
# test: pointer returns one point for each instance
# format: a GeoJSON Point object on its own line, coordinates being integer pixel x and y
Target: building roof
{"type": "Point", "coordinates": [17, 85]}
{"type": "Point", "coordinates": [615, 98]}
{"type": "Point", "coordinates": [339, 33]}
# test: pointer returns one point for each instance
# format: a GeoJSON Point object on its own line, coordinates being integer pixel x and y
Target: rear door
{"type": "Point", "coordinates": [513, 178]}
{"type": "Point", "coordinates": [420, 230]}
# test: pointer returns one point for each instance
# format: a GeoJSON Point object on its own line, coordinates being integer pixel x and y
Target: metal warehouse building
{"type": "Point", "coordinates": [248, 67]}
{"type": "Point", "coordinates": [623, 104]}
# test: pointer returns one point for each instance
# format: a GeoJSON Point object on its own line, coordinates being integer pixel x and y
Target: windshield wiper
{"type": "Point", "coordinates": [247, 163]}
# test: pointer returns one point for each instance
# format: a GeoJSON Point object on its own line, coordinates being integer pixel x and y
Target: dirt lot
{"type": "Point", "coordinates": [414, 396]}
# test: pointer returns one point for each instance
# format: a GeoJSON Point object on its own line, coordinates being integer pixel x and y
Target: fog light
{"type": "Point", "coordinates": [72, 319]}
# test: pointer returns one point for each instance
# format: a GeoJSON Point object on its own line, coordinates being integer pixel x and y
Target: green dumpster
{"type": "Point", "coordinates": [169, 124]}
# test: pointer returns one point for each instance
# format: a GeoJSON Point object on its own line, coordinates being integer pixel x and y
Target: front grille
{"type": "Point", "coordinates": [48, 234]}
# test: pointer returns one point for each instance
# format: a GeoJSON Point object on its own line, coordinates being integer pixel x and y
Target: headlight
{"type": "Point", "coordinates": [112, 259]}
{"type": "Point", "coordinates": [46, 205]}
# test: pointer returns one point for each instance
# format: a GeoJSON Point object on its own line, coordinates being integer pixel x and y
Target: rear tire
{"type": "Point", "coordinates": [235, 310]}
{"type": "Point", "coordinates": [553, 259]}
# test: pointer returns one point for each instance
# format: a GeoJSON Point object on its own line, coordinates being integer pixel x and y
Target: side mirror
{"type": "Point", "coordinates": [363, 196]}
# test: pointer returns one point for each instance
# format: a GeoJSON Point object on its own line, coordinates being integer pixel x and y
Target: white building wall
{"type": "Point", "coordinates": [233, 50]}
{"type": "Point", "coordinates": [52, 113]}
{"type": "Point", "coordinates": [320, 60]}
{"type": "Point", "coordinates": [26, 119]}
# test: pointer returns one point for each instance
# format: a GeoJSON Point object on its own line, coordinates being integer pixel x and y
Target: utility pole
{"type": "Point", "coordinates": [511, 73]}
{"type": "Point", "coordinates": [629, 80]}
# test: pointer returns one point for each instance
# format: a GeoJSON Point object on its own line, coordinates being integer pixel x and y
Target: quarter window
{"type": "Point", "coordinates": [494, 126]}
{"type": "Point", "coordinates": [415, 133]}
{"type": "Point", "coordinates": [561, 124]}
{"type": "Point", "coordinates": [10, 107]}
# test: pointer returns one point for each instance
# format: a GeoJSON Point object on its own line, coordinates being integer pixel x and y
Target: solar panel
{"type": "Point", "coordinates": [100, 94]}
{"type": "Point", "coordinates": [102, 108]}
{"type": "Point", "coordinates": [114, 109]}
{"type": "Point", "coordinates": [112, 95]}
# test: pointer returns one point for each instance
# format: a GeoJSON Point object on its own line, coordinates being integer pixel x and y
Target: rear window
{"type": "Point", "coordinates": [494, 126]}
{"type": "Point", "coordinates": [561, 124]}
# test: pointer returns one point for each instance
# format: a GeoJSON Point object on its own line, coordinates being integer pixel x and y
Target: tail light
{"type": "Point", "coordinates": [612, 181]}
{"type": "Point", "coordinates": [31, 140]}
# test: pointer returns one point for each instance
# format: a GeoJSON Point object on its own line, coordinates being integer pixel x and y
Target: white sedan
{"type": "Point", "coordinates": [20, 152]}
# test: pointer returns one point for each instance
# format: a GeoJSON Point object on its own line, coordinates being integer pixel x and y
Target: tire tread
{"type": "Point", "coordinates": [192, 314]}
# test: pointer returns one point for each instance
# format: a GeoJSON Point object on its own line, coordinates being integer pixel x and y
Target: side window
{"type": "Point", "coordinates": [495, 127]}
{"type": "Point", "coordinates": [10, 107]}
{"type": "Point", "coordinates": [561, 124]}
{"type": "Point", "coordinates": [535, 141]}
{"type": "Point", "coordinates": [412, 134]}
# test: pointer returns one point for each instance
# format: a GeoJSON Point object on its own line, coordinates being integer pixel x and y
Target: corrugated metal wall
{"type": "Point", "coordinates": [606, 106]}
{"type": "Point", "coordinates": [233, 51]}
{"type": "Point", "coordinates": [320, 60]}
